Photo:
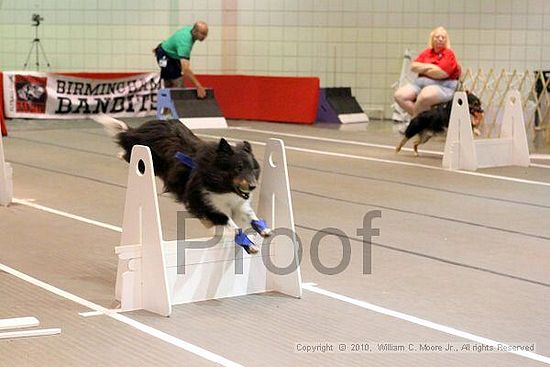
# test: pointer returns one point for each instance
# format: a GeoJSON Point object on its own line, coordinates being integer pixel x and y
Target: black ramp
{"type": "Point", "coordinates": [342, 101]}
{"type": "Point", "coordinates": [188, 105]}
{"type": "Point", "coordinates": [338, 105]}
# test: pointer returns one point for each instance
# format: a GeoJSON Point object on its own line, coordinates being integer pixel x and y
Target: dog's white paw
{"type": "Point", "coordinates": [266, 232]}
{"type": "Point", "coordinates": [261, 227]}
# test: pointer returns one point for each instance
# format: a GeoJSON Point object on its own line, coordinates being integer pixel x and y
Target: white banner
{"type": "Point", "coordinates": [56, 96]}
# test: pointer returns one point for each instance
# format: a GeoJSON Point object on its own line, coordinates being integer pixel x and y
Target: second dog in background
{"type": "Point", "coordinates": [436, 120]}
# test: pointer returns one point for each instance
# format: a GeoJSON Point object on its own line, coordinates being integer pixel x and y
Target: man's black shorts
{"type": "Point", "coordinates": [170, 68]}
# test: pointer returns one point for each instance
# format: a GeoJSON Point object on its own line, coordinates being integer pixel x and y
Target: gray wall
{"type": "Point", "coordinates": [357, 43]}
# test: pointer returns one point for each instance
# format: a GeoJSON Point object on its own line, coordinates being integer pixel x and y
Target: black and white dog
{"type": "Point", "coordinates": [213, 180]}
{"type": "Point", "coordinates": [436, 120]}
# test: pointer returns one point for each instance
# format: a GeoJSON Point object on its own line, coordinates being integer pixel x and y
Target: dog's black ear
{"type": "Point", "coordinates": [224, 146]}
{"type": "Point", "coordinates": [247, 147]}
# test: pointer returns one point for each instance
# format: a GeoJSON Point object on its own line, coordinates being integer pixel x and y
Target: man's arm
{"type": "Point", "coordinates": [187, 72]}
{"type": "Point", "coordinates": [430, 70]}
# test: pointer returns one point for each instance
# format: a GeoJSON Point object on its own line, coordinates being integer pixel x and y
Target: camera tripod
{"type": "Point", "coordinates": [37, 47]}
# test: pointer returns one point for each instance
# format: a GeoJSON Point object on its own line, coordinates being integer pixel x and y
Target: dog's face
{"type": "Point", "coordinates": [31, 92]}
{"type": "Point", "coordinates": [476, 111]}
{"type": "Point", "coordinates": [239, 166]}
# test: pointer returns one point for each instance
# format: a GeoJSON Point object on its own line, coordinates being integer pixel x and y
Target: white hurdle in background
{"type": "Point", "coordinates": [6, 180]}
{"type": "Point", "coordinates": [463, 152]}
{"type": "Point", "coordinates": [147, 275]}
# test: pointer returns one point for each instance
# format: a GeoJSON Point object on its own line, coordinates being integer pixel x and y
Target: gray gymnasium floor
{"type": "Point", "coordinates": [462, 258]}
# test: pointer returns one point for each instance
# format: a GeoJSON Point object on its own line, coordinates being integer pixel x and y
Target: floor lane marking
{"type": "Point", "coordinates": [422, 322]}
{"type": "Point", "coordinates": [372, 145]}
{"type": "Point", "coordinates": [306, 286]}
{"type": "Point", "coordinates": [401, 163]}
{"type": "Point", "coordinates": [182, 344]}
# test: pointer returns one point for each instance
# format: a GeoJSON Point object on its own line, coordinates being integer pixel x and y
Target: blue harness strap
{"type": "Point", "coordinates": [185, 160]}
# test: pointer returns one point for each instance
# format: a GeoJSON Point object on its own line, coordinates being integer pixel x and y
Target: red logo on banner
{"type": "Point", "coordinates": [31, 94]}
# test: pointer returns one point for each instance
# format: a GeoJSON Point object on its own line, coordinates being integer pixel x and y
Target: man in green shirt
{"type": "Point", "coordinates": [174, 54]}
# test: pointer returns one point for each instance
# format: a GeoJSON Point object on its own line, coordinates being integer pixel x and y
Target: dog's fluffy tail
{"type": "Point", "coordinates": [112, 125]}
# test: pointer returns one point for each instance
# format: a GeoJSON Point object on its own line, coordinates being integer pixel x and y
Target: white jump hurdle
{"type": "Point", "coordinates": [147, 276]}
{"type": "Point", "coordinates": [463, 152]}
{"type": "Point", "coordinates": [6, 181]}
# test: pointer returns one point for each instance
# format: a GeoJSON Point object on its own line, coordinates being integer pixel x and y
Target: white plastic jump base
{"type": "Point", "coordinates": [147, 275]}
{"type": "Point", "coordinates": [462, 152]}
{"type": "Point", "coordinates": [353, 118]}
{"type": "Point", "coordinates": [6, 180]}
{"type": "Point", "coordinates": [194, 123]}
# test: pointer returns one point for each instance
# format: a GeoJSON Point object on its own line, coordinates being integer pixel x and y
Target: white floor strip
{"type": "Point", "coordinates": [97, 313]}
{"type": "Point", "coordinates": [29, 333]}
{"type": "Point", "coordinates": [65, 214]}
{"type": "Point", "coordinates": [18, 322]}
{"type": "Point", "coordinates": [400, 163]}
{"type": "Point", "coordinates": [372, 145]}
{"type": "Point", "coordinates": [539, 165]}
{"type": "Point", "coordinates": [208, 355]}
{"type": "Point", "coordinates": [540, 156]}
{"type": "Point", "coordinates": [331, 140]}
{"type": "Point", "coordinates": [124, 319]}
{"type": "Point", "coordinates": [422, 322]}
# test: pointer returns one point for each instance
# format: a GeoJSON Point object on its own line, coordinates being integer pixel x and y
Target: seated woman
{"type": "Point", "coordinates": [438, 72]}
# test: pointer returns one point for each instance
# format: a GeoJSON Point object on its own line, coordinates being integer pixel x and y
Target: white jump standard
{"type": "Point", "coordinates": [148, 276]}
{"type": "Point", "coordinates": [462, 152]}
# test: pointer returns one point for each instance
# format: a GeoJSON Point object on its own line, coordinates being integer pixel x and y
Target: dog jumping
{"type": "Point", "coordinates": [436, 120]}
{"type": "Point", "coordinates": [214, 180]}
